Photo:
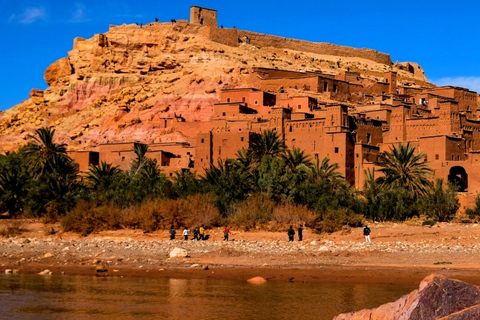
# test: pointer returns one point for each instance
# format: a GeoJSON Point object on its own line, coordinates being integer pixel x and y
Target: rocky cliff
{"type": "Point", "coordinates": [122, 85]}
{"type": "Point", "coordinates": [437, 298]}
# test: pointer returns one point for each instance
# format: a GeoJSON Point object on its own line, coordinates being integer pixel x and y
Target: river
{"type": "Point", "coordinates": [30, 296]}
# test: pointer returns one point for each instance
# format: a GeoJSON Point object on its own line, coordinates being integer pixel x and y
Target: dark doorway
{"type": "Point", "coordinates": [459, 177]}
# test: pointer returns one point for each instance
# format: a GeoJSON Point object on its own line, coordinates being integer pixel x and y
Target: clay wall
{"type": "Point", "coordinates": [203, 16]}
{"type": "Point", "coordinates": [368, 133]}
{"type": "Point", "coordinates": [233, 111]}
{"type": "Point", "coordinates": [467, 100]}
{"type": "Point", "coordinates": [381, 115]}
{"type": "Point", "coordinates": [203, 152]}
{"type": "Point", "coordinates": [397, 129]}
{"type": "Point", "coordinates": [84, 159]}
{"type": "Point", "coordinates": [298, 104]}
{"type": "Point", "coordinates": [251, 97]}
{"type": "Point", "coordinates": [305, 84]}
{"type": "Point", "coordinates": [226, 144]}
{"type": "Point", "coordinates": [365, 158]}
{"type": "Point", "coordinates": [231, 37]}
{"type": "Point", "coordinates": [336, 118]}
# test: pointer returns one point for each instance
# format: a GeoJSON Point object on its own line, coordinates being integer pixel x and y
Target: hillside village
{"type": "Point", "coordinates": [341, 108]}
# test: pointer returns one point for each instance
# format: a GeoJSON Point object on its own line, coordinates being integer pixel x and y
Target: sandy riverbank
{"type": "Point", "coordinates": [399, 253]}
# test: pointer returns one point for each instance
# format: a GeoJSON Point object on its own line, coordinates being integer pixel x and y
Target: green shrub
{"type": "Point", "coordinates": [86, 218]}
{"type": "Point", "coordinates": [12, 229]}
{"type": "Point", "coordinates": [474, 213]}
{"type": "Point", "coordinates": [288, 214]}
{"type": "Point", "coordinates": [254, 212]}
{"type": "Point", "coordinates": [334, 220]}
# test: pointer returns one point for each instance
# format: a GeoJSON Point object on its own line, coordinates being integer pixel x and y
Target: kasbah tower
{"type": "Point", "coordinates": [346, 115]}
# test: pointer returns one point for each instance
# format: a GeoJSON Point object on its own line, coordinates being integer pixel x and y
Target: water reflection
{"type": "Point", "coordinates": [67, 297]}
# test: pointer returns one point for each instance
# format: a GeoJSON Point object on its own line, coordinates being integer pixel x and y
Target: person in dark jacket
{"type": "Point", "coordinates": [366, 233]}
{"type": "Point", "coordinates": [196, 234]}
{"type": "Point", "coordinates": [172, 233]}
{"type": "Point", "coordinates": [291, 234]}
{"type": "Point", "coordinates": [300, 233]}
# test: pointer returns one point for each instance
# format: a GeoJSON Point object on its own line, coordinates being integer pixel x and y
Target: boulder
{"type": "Point", "coordinates": [437, 298]}
{"type": "Point", "coordinates": [37, 96]}
{"type": "Point", "coordinates": [257, 280]}
{"type": "Point", "coordinates": [178, 253]}
{"type": "Point", "coordinates": [58, 69]}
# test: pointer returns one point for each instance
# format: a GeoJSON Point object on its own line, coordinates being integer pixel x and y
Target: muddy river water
{"type": "Point", "coordinates": [30, 296]}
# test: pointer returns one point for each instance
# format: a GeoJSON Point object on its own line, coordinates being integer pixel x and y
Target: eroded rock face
{"type": "Point", "coordinates": [437, 298]}
{"type": "Point", "coordinates": [58, 69]}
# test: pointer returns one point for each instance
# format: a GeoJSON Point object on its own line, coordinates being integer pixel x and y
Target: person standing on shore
{"type": "Point", "coordinates": [172, 233]}
{"type": "Point", "coordinates": [291, 234]}
{"type": "Point", "coordinates": [300, 233]}
{"type": "Point", "coordinates": [195, 234]}
{"type": "Point", "coordinates": [202, 233]}
{"type": "Point", "coordinates": [185, 233]}
{"type": "Point", "coordinates": [366, 233]}
{"type": "Point", "coordinates": [226, 232]}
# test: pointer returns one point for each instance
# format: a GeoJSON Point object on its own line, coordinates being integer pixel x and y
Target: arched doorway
{"type": "Point", "coordinates": [459, 177]}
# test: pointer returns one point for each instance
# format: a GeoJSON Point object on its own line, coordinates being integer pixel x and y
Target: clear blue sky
{"type": "Point", "coordinates": [442, 36]}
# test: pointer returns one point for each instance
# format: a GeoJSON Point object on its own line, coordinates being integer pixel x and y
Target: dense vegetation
{"type": "Point", "coordinates": [267, 186]}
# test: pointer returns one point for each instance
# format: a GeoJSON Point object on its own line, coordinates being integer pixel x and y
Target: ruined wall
{"type": "Point", "coordinates": [203, 16]}
{"type": "Point", "coordinates": [231, 37]}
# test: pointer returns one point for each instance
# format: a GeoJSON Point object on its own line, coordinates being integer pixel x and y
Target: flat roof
{"type": "Point", "coordinates": [203, 8]}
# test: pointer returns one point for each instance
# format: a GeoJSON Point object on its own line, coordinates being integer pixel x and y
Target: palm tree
{"type": "Point", "coordinates": [141, 162]}
{"type": "Point", "coordinates": [326, 172]}
{"type": "Point", "coordinates": [42, 151]}
{"type": "Point", "coordinates": [403, 168]}
{"type": "Point", "coordinates": [103, 175]}
{"type": "Point", "coordinates": [268, 143]}
{"type": "Point", "coordinates": [296, 160]}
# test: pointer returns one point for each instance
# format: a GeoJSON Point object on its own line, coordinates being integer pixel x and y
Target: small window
{"type": "Point", "coordinates": [123, 158]}
{"type": "Point", "coordinates": [458, 158]}
{"type": "Point", "coordinates": [299, 106]}
{"type": "Point", "coordinates": [437, 156]}
{"type": "Point", "coordinates": [335, 88]}
{"type": "Point", "coordinates": [256, 102]}
{"type": "Point", "coordinates": [203, 140]}
{"type": "Point", "coordinates": [336, 149]}
{"type": "Point", "coordinates": [243, 99]}
{"type": "Point", "coordinates": [241, 139]}
{"type": "Point", "coordinates": [228, 99]}
{"type": "Point", "coordinates": [290, 129]}
{"type": "Point", "coordinates": [188, 153]}
{"type": "Point", "coordinates": [453, 157]}
{"type": "Point", "coordinates": [325, 86]}
{"type": "Point", "coordinates": [224, 114]}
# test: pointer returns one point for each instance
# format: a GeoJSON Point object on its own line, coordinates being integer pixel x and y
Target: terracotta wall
{"type": "Point", "coordinates": [231, 36]}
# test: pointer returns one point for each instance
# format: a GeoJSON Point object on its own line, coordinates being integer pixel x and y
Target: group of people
{"type": "Point", "coordinates": [198, 233]}
{"type": "Point", "coordinates": [291, 233]}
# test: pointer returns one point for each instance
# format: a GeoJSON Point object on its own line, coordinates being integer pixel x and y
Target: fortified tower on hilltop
{"type": "Point", "coordinates": [203, 16]}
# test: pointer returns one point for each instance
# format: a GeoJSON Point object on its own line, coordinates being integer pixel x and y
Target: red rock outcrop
{"type": "Point", "coordinates": [437, 298]}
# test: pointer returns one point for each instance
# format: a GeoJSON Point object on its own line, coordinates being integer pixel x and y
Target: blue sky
{"type": "Point", "coordinates": [442, 36]}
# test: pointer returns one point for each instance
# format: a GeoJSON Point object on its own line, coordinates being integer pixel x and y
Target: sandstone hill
{"type": "Point", "coordinates": [119, 86]}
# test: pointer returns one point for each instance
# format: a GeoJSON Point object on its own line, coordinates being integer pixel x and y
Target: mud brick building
{"type": "Point", "coordinates": [346, 117]}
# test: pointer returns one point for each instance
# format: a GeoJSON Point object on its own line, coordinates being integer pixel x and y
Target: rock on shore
{"type": "Point", "coordinates": [437, 298]}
